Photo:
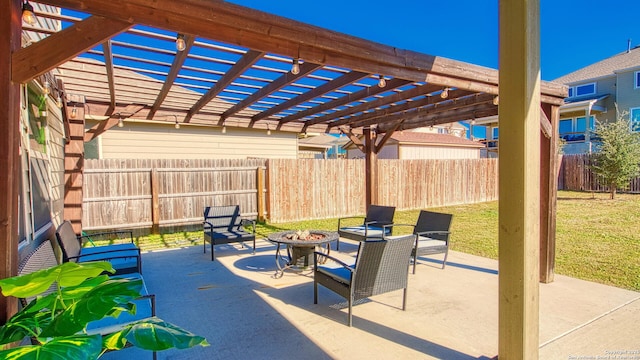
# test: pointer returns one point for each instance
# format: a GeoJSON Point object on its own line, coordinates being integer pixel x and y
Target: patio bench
{"type": "Point", "coordinates": [224, 225]}
{"type": "Point", "coordinates": [43, 257]}
{"type": "Point", "coordinates": [124, 256]}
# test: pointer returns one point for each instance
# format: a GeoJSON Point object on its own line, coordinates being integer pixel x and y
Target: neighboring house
{"type": "Point", "coordinates": [321, 146]}
{"type": "Point", "coordinates": [594, 92]}
{"type": "Point", "coordinates": [423, 144]}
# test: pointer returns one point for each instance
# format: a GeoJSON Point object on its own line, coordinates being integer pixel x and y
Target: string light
{"type": "Point", "coordinates": [59, 102]}
{"type": "Point", "coordinates": [295, 68]}
{"type": "Point", "coordinates": [180, 43]}
{"type": "Point", "coordinates": [496, 100]}
{"type": "Point", "coordinates": [224, 128]}
{"type": "Point", "coordinates": [74, 112]}
{"type": "Point", "coordinates": [47, 87]}
{"type": "Point", "coordinates": [120, 123]}
{"type": "Point", "coordinates": [382, 82]}
{"type": "Point", "coordinates": [177, 125]}
{"type": "Point", "coordinates": [445, 93]}
{"type": "Point", "coordinates": [268, 129]}
{"type": "Point", "coordinates": [28, 15]}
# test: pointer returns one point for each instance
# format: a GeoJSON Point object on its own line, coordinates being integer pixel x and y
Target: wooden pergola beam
{"type": "Point", "coordinates": [424, 104]}
{"type": "Point", "coordinates": [178, 61]}
{"type": "Point", "coordinates": [108, 64]}
{"type": "Point", "coordinates": [257, 30]}
{"type": "Point", "coordinates": [247, 60]}
{"type": "Point", "coordinates": [38, 58]}
{"type": "Point", "coordinates": [440, 117]}
{"type": "Point", "coordinates": [284, 80]}
{"type": "Point", "coordinates": [433, 110]}
{"type": "Point", "coordinates": [397, 97]}
{"type": "Point", "coordinates": [327, 87]}
{"type": "Point", "coordinates": [347, 99]}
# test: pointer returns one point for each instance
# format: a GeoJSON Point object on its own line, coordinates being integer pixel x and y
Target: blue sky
{"type": "Point", "coordinates": [574, 33]}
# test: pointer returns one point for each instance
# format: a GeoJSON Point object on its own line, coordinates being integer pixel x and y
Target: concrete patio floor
{"type": "Point", "coordinates": [246, 313]}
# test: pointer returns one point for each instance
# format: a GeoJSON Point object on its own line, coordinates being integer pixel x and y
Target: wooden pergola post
{"type": "Point", "coordinates": [10, 28]}
{"type": "Point", "coordinates": [548, 194]}
{"type": "Point", "coordinates": [74, 168]}
{"type": "Point", "coordinates": [371, 190]}
{"type": "Point", "coordinates": [519, 183]}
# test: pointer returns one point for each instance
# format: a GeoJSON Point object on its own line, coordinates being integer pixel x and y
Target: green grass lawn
{"type": "Point", "coordinates": [597, 239]}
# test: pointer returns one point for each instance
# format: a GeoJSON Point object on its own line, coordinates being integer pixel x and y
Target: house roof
{"type": "Point", "coordinates": [606, 67]}
{"type": "Point", "coordinates": [323, 141]}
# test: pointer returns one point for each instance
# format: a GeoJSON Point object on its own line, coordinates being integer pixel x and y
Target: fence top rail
{"type": "Point", "coordinates": [185, 169]}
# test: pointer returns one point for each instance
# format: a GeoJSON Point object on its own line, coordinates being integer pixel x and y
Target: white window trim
{"type": "Point", "coordinates": [574, 89]}
{"type": "Point", "coordinates": [631, 110]}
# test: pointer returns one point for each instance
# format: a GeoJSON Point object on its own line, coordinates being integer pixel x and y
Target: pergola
{"type": "Point", "coordinates": [236, 70]}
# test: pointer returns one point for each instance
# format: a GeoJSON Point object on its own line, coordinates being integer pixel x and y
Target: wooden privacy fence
{"type": "Point", "coordinates": [575, 174]}
{"type": "Point", "coordinates": [153, 193]}
{"type": "Point", "coordinates": [315, 189]}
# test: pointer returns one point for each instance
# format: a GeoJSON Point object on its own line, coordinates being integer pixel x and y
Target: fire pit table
{"type": "Point", "coordinates": [300, 246]}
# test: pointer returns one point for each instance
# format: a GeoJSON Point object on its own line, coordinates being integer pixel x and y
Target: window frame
{"type": "Point", "coordinates": [573, 90]}
{"type": "Point", "coordinates": [635, 128]}
{"type": "Point", "coordinates": [636, 78]}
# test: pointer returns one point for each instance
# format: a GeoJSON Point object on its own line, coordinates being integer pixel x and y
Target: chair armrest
{"type": "Point", "coordinates": [90, 237]}
{"type": "Point", "coordinates": [385, 227]}
{"type": "Point", "coordinates": [378, 223]}
{"type": "Point", "coordinates": [244, 222]}
{"type": "Point", "coordinates": [334, 259]}
{"type": "Point", "coordinates": [151, 297]}
{"type": "Point", "coordinates": [435, 232]}
{"type": "Point", "coordinates": [349, 217]}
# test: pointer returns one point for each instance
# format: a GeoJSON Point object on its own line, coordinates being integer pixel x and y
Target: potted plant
{"type": "Point", "coordinates": [70, 296]}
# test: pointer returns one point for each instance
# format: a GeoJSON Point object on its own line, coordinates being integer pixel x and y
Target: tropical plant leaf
{"type": "Point", "coordinates": [67, 274]}
{"type": "Point", "coordinates": [79, 347]}
{"type": "Point", "coordinates": [106, 299]}
{"type": "Point", "coordinates": [154, 334]}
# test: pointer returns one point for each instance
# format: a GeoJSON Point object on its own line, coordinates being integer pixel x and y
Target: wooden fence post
{"type": "Point", "coordinates": [260, 194]}
{"type": "Point", "coordinates": [155, 203]}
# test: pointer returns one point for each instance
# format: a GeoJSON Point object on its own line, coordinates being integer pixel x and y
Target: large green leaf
{"type": "Point", "coordinates": [153, 334]}
{"type": "Point", "coordinates": [79, 347]}
{"type": "Point", "coordinates": [67, 274]}
{"type": "Point", "coordinates": [106, 299]}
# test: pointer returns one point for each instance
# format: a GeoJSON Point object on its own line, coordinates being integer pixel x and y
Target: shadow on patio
{"type": "Point", "coordinates": [245, 313]}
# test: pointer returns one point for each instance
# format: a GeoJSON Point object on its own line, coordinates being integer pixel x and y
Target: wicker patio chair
{"type": "Point", "coordinates": [223, 225]}
{"type": "Point", "coordinates": [432, 235]}
{"type": "Point", "coordinates": [124, 256]}
{"type": "Point", "coordinates": [381, 266]}
{"type": "Point", "coordinates": [371, 227]}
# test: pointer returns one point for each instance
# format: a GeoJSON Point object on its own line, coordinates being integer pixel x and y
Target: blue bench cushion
{"type": "Point", "coordinates": [110, 324]}
{"type": "Point", "coordinates": [121, 256]}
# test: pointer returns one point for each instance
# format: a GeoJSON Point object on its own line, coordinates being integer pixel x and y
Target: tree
{"type": "Point", "coordinates": [617, 156]}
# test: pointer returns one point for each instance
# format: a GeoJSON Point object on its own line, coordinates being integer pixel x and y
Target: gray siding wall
{"type": "Point", "coordinates": [628, 96]}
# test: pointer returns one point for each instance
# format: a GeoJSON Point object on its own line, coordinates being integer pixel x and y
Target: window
{"type": "Point", "coordinates": [494, 133]}
{"type": "Point", "coordinates": [635, 119]}
{"type": "Point", "coordinates": [582, 90]}
{"type": "Point", "coordinates": [581, 124]}
{"type": "Point", "coordinates": [637, 79]}
{"type": "Point", "coordinates": [566, 126]}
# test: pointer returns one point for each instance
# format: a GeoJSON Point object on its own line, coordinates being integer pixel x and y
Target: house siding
{"type": "Point", "coordinates": [157, 141]}
{"type": "Point", "coordinates": [628, 96]}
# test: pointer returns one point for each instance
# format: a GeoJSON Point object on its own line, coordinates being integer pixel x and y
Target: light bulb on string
{"type": "Point", "coordinates": [382, 82]}
{"type": "Point", "coordinates": [295, 68]}
{"type": "Point", "coordinates": [120, 123]}
{"type": "Point", "coordinates": [445, 93]}
{"type": "Point", "coordinates": [47, 87]}
{"type": "Point", "coordinates": [59, 102]}
{"type": "Point", "coordinates": [74, 112]}
{"type": "Point", "coordinates": [268, 129]}
{"type": "Point", "coordinates": [28, 16]}
{"type": "Point", "coordinates": [181, 45]}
